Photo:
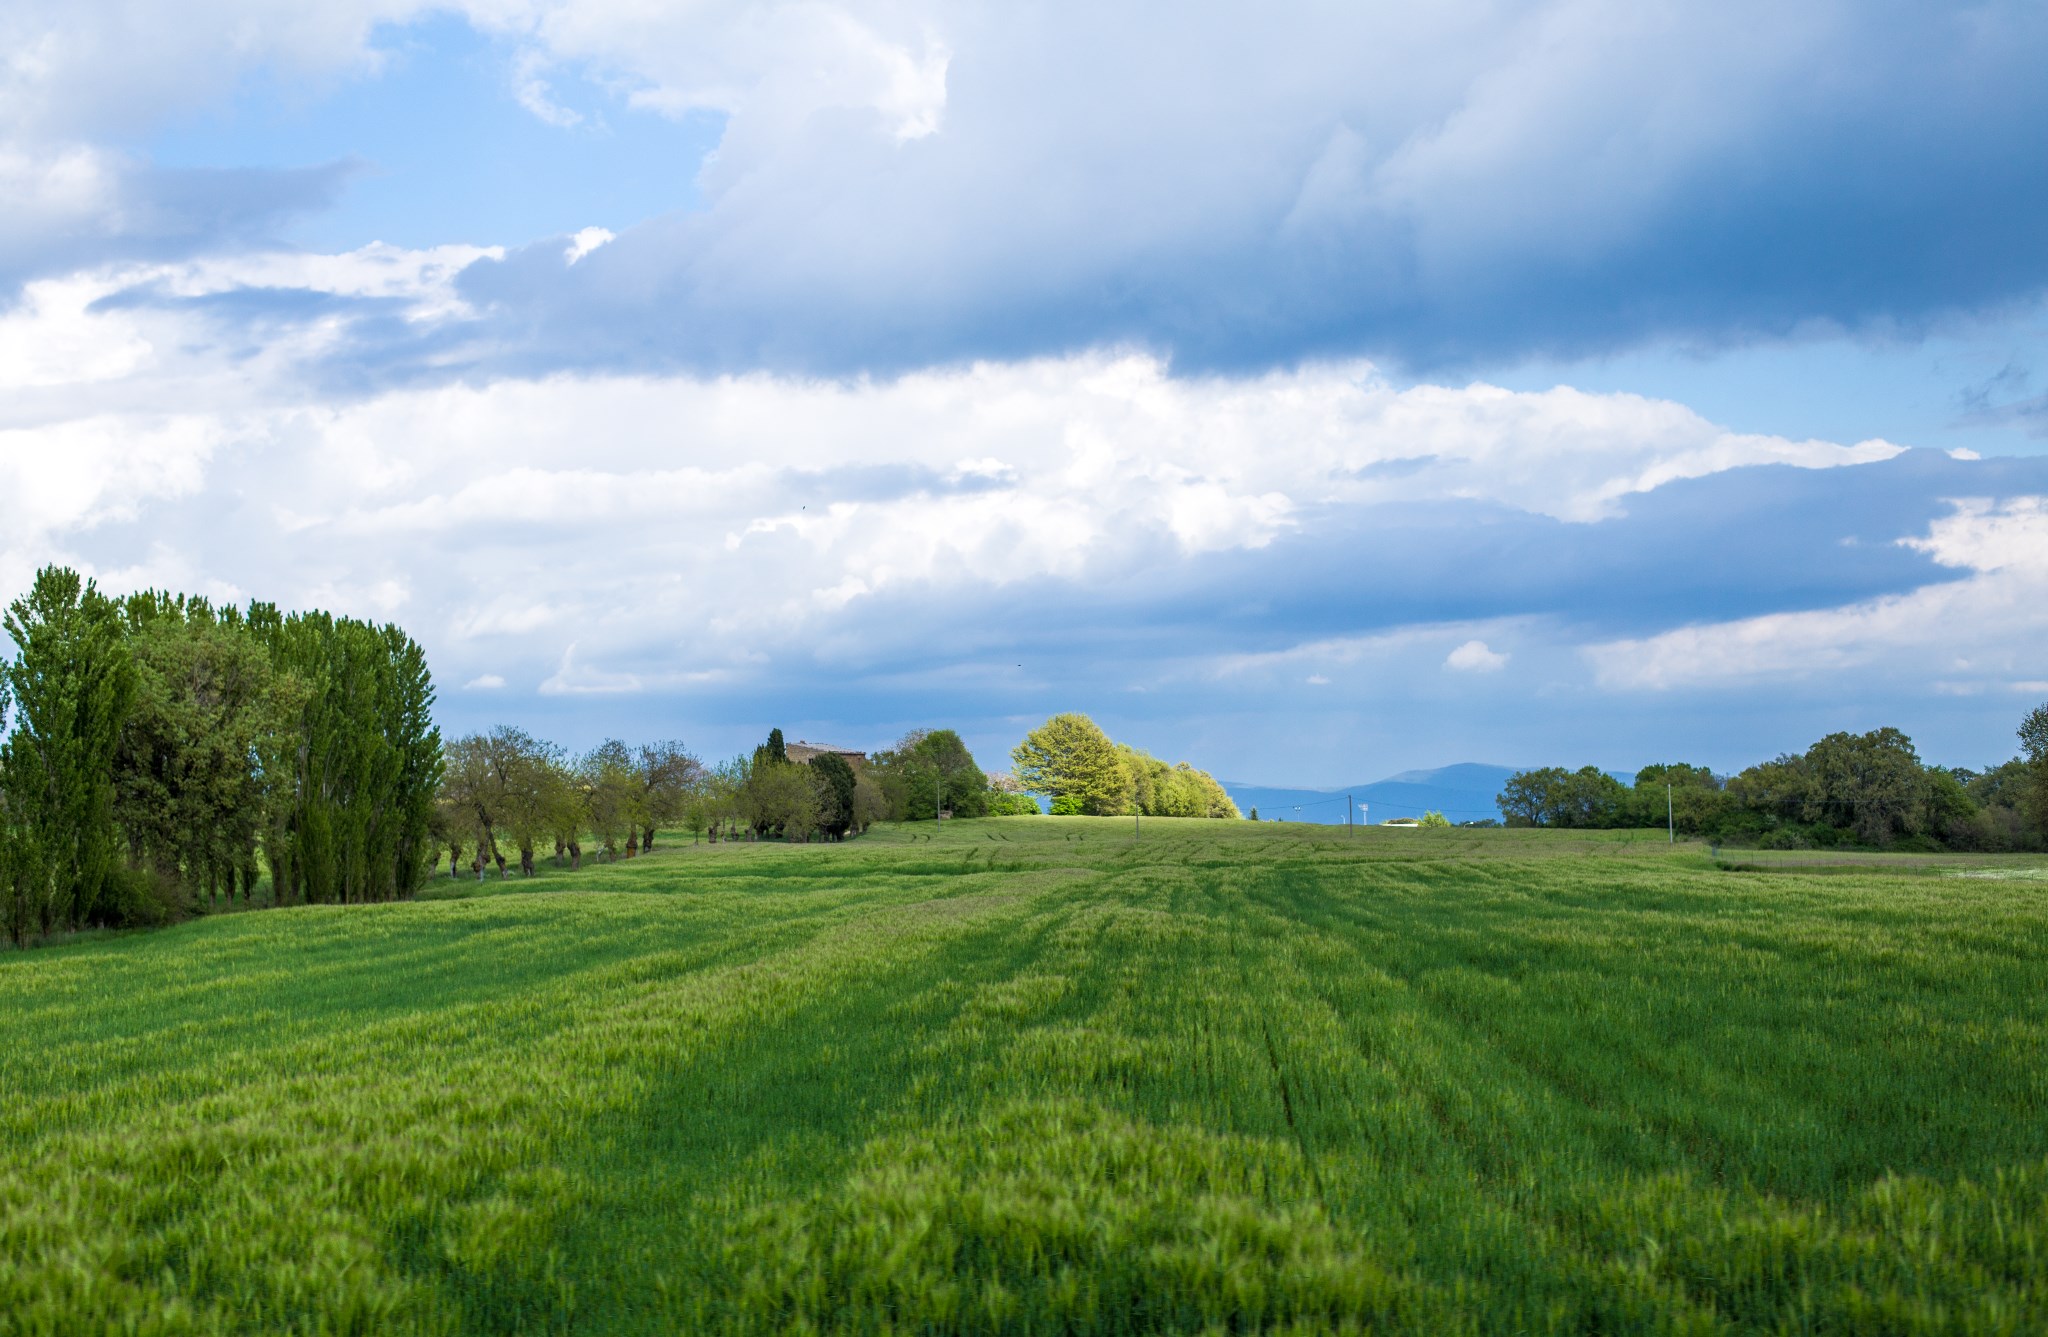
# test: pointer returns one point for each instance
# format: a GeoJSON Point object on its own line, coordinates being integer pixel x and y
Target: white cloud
{"type": "Point", "coordinates": [586, 241]}
{"type": "Point", "coordinates": [1475, 657]}
{"type": "Point", "coordinates": [1988, 627]}
{"type": "Point", "coordinates": [488, 682]}
{"type": "Point", "coordinates": [635, 510]}
{"type": "Point", "coordinates": [1317, 680]}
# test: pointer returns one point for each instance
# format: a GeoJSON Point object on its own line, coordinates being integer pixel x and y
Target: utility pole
{"type": "Point", "coordinates": [1670, 818]}
{"type": "Point", "coordinates": [939, 798]}
{"type": "Point", "coordinates": [1349, 829]}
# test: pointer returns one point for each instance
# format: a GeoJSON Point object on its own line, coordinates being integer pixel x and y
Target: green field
{"type": "Point", "coordinates": [1031, 1075]}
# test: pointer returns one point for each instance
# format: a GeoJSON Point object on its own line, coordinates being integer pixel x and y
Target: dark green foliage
{"type": "Point", "coordinates": [1848, 790]}
{"type": "Point", "coordinates": [187, 795]}
{"type": "Point", "coordinates": [1553, 796]}
{"type": "Point", "coordinates": [73, 681]}
{"type": "Point", "coordinates": [352, 804]}
{"type": "Point", "coordinates": [924, 769]}
{"type": "Point", "coordinates": [163, 752]}
{"type": "Point", "coordinates": [834, 781]}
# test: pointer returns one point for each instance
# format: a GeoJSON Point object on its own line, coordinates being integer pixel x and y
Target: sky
{"type": "Point", "coordinates": [1308, 392]}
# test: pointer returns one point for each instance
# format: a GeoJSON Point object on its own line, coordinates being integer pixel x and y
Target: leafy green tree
{"type": "Point", "coordinates": [612, 794]}
{"type": "Point", "coordinates": [1695, 803]}
{"type": "Point", "coordinates": [928, 767]}
{"type": "Point", "coordinates": [1435, 821]}
{"type": "Point", "coordinates": [669, 776]}
{"type": "Point", "coordinates": [2033, 795]}
{"type": "Point", "coordinates": [1072, 762]}
{"type": "Point", "coordinates": [1872, 784]}
{"type": "Point", "coordinates": [869, 803]}
{"type": "Point", "coordinates": [73, 681]}
{"type": "Point", "coordinates": [18, 877]}
{"type": "Point", "coordinates": [473, 789]}
{"type": "Point", "coordinates": [833, 778]}
{"type": "Point", "coordinates": [777, 799]}
{"type": "Point", "coordinates": [187, 795]}
{"type": "Point", "coordinates": [1179, 790]}
{"type": "Point", "coordinates": [1553, 796]}
{"type": "Point", "coordinates": [355, 789]}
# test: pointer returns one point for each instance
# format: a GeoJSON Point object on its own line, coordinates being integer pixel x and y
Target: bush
{"type": "Point", "coordinates": [143, 898]}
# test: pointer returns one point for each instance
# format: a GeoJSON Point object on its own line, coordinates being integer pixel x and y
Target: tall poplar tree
{"type": "Point", "coordinates": [73, 682]}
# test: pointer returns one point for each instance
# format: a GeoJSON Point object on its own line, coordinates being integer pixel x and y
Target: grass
{"type": "Point", "coordinates": [1031, 1075]}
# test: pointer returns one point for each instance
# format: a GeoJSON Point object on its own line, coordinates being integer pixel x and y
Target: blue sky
{"type": "Point", "coordinates": [1314, 397]}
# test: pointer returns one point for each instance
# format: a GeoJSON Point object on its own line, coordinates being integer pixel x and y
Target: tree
{"type": "Point", "coordinates": [1435, 821]}
{"type": "Point", "coordinates": [835, 783]}
{"type": "Point", "coordinates": [1694, 803]}
{"type": "Point", "coordinates": [927, 767]}
{"type": "Point", "coordinates": [1553, 796]}
{"type": "Point", "coordinates": [2033, 796]}
{"type": "Point", "coordinates": [186, 794]}
{"type": "Point", "coordinates": [73, 682]}
{"type": "Point", "coordinates": [1872, 784]}
{"type": "Point", "coordinates": [354, 785]}
{"type": "Point", "coordinates": [669, 775]}
{"type": "Point", "coordinates": [17, 875]}
{"type": "Point", "coordinates": [869, 805]}
{"type": "Point", "coordinates": [1179, 790]}
{"type": "Point", "coordinates": [1072, 762]}
{"type": "Point", "coordinates": [612, 794]}
{"type": "Point", "coordinates": [777, 799]}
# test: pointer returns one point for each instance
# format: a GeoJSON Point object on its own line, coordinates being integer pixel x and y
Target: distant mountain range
{"type": "Point", "coordinates": [1464, 793]}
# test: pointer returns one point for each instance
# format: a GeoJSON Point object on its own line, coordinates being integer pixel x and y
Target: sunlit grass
{"type": "Point", "coordinates": [1036, 1075]}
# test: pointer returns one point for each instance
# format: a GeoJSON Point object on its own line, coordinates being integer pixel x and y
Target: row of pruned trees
{"type": "Point", "coordinates": [509, 790]}
{"type": "Point", "coordinates": [1865, 789]}
{"type": "Point", "coordinates": [162, 751]}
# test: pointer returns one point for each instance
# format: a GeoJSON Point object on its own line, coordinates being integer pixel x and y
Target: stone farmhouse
{"type": "Point", "coordinates": [804, 752]}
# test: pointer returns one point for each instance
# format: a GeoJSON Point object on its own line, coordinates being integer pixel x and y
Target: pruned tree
{"type": "Point", "coordinates": [669, 777]}
{"type": "Point", "coordinates": [612, 794]}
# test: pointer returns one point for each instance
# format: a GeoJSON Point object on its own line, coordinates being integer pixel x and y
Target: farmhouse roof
{"type": "Point", "coordinates": [805, 752]}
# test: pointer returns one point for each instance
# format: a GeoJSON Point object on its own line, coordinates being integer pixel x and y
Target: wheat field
{"type": "Point", "coordinates": [1036, 1075]}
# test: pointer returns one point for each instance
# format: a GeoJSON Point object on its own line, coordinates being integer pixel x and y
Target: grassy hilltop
{"type": "Point", "coordinates": [1032, 1075]}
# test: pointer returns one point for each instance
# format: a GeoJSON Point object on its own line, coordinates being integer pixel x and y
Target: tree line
{"type": "Point", "coordinates": [1868, 789]}
{"type": "Point", "coordinates": [1071, 761]}
{"type": "Point", "coordinates": [164, 751]}
{"type": "Point", "coordinates": [163, 754]}
{"type": "Point", "coordinates": [508, 791]}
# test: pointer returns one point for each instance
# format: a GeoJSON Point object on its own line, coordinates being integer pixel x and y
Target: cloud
{"type": "Point", "coordinates": [982, 543]}
{"type": "Point", "coordinates": [1436, 185]}
{"type": "Point", "coordinates": [906, 184]}
{"type": "Point", "coordinates": [487, 682]}
{"type": "Point", "coordinates": [1475, 657]}
{"type": "Point", "coordinates": [1989, 629]}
